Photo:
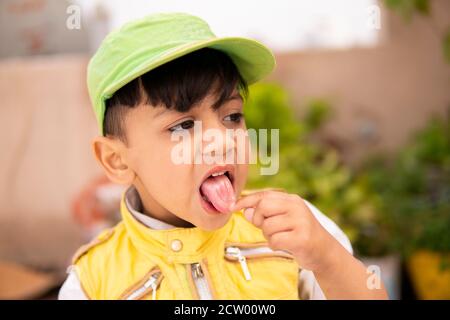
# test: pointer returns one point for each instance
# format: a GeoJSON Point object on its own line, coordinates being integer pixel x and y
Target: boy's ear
{"type": "Point", "coordinates": [111, 154]}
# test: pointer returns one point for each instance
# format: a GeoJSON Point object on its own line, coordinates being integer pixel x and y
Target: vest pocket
{"type": "Point", "coordinates": [144, 287]}
{"type": "Point", "coordinates": [261, 273]}
{"type": "Point", "coordinates": [240, 253]}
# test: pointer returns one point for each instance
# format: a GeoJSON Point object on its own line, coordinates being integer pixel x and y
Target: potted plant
{"type": "Point", "coordinates": [415, 191]}
{"type": "Point", "coordinates": [313, 170]}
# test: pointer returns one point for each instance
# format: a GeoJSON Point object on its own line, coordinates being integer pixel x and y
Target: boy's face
{"type": "Point", "coordinates": [173, 191]}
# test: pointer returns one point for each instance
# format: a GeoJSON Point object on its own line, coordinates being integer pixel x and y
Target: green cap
{"type": "Point", "coordinates": [144, 44]}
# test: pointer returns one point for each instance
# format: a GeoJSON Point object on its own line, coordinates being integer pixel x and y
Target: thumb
{"type": "Point", "coordinates": [248, 213]}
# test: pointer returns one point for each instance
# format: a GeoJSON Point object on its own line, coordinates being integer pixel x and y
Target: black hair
{"type": "Point", "coordinates": [179, 84]}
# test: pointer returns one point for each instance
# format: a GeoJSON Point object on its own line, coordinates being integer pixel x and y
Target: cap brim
{"type": "Point", "coordinates": [253, 60]}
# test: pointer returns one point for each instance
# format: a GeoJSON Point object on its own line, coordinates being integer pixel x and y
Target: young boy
{"type": "Point", "coordinates": [187, 231]}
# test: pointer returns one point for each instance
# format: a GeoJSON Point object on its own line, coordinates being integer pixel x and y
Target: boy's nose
{"type": "Point", "coordinates": [218, 143]}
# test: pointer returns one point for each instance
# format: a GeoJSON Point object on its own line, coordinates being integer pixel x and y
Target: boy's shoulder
{"type": "Point", "coordinates": [98, 242]}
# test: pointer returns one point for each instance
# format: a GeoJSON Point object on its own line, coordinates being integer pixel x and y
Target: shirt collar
{"type": "Point", "coordinates": [134, 204]}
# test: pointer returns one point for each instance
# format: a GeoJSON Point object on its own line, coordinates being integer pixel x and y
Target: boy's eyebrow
{"type": "Point", "coordinates": [236, 96]}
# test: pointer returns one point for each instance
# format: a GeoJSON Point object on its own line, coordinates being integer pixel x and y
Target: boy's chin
{"type": "Point", "coordinates": [214, 223]}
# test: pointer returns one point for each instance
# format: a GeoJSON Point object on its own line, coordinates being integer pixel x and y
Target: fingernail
{"type": "Point", "coordinates": [248, 213]}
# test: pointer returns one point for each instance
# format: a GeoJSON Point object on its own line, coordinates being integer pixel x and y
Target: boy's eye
{"type": "Point", "coordinates": [183, 125]}
{"type": "Point", "coordinates": [234, 117]}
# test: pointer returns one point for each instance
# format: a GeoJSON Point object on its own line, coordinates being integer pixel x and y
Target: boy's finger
{"type": "Point", "coordinates": [253, 199]}
{"type": "Point", "coordinates": [260, 214]}
{"type": "Point", "coordinates": [249, 201]}
{"type": "Point", "coordinates": [264, 210]}
{"type": "Point", "coordinates": [277, 223]}
{"type": "Point", "coordinates": [281, 240]}
{"type": "Point", "coordinates": [248, 213]}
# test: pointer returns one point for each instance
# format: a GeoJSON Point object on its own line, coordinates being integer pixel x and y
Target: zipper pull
{"type": "Point", "coordinates": [236, 252]}
{"type": "Point", "coordinates": [152, 284]}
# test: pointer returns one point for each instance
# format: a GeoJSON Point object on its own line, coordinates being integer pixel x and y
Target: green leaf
{"type": "Point", "coordinates": [407, 8]}
{"type": "Point", "coordinates": [446, 46]}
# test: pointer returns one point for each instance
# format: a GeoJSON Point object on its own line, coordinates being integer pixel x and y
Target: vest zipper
{"type": "Point", "coordinates": [150, 285]}
{"type": "Point", "coordinates": [200, 282]}
{"type": "Point", "coordinates": [241, 254]}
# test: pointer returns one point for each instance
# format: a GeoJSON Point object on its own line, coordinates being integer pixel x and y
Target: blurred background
{"type": "Point", "coordinates": [361, 95]}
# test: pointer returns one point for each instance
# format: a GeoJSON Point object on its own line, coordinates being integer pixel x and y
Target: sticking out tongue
{"type": "Point", "coordinates": [219, 191]}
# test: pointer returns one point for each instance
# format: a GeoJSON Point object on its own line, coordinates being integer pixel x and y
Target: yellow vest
{"type": "Point", "coordinates": [132, 261]}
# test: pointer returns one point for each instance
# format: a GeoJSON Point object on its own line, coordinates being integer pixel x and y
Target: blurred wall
{"type": "Point", "coordinates": [46, 126]}
{"type": "Point", "coordinates": [380, 95]}
{"type": "Point", "coordinates": [31, 27]}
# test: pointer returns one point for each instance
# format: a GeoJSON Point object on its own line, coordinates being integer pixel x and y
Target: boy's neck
{"type": "Point", "coordinates": [153, 209]}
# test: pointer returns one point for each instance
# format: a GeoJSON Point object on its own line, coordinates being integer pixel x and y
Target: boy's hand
{"type": "Point", "coordinates": [288, 224]}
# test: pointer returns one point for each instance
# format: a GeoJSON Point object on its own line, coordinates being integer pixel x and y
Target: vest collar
{"type": "Point", "coordinates": [175, 244]}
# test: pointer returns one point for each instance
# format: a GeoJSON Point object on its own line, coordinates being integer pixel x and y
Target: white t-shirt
{"type": "Point", "coordinates": [309, 288]}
